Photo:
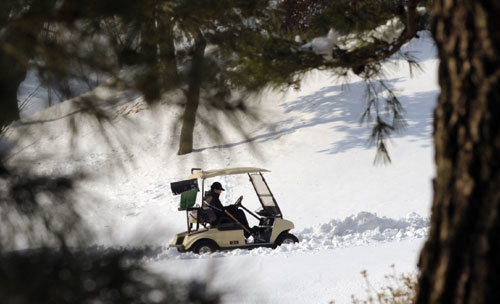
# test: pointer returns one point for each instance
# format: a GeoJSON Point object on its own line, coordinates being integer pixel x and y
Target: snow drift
{"type": "Point", "coordinates": [360, 229]}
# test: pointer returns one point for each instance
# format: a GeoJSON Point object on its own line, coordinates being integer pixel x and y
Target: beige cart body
{"type": "Point", "coordinates": [271, 231]}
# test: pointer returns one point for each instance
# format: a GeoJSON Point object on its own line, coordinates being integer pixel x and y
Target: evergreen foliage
{"type": "Point", "coordinates": [248, 46]}
{"type": "Point", "coordinates": [358, 36]}
{"type": "Point", "coordinates": [46, 256]}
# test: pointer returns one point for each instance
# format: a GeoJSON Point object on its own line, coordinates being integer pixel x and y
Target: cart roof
{"type": "Point", "coordinates": [228, 171]}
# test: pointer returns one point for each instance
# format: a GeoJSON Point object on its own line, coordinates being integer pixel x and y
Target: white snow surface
{"type": "Point", "coordinates": [357, 230]}
{"type": "Point", "coordinates": [349, 215]}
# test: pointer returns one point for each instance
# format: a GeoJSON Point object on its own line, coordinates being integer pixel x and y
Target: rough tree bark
{"type": "Point", "coordinates": [192, 95]}
{"type": "Point", "coordinates": [460, 262]}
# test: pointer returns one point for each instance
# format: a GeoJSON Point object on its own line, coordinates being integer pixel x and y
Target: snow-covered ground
{"type": "Point", "coordinates": [349, 215]}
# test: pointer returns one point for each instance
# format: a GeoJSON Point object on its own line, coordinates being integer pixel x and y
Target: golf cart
{"type": "Point", "coordinates": [204, 235]}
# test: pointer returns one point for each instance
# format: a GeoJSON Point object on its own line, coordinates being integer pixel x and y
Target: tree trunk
{"type": "Point", "coordinates": [149, 82]}
{"type": "Point", "coordinates": [460, 262]}
{"type": "Point", "coordinates": [11, 75]}
{"type": "Point", "coordinates": [192, 95]}
{"type": "Point", "coordinates": [168, 61]}
{"type": "Point", "coordinates": [8, 88]}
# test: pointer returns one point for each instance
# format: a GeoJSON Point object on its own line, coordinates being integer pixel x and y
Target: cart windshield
{"type": "Point", "coordinates": [264, 194]}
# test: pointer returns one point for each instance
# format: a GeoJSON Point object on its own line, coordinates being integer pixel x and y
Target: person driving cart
{"type": "Point", "coordinates": [213, 202]}
{"type": "Point", "coordinates": [219, 227]}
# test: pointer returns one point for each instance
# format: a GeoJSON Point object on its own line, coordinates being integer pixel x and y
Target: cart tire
{"type": "Point", "coordinates": [205, 246]}
{"type": "Point", "coordinates": [286, 238]}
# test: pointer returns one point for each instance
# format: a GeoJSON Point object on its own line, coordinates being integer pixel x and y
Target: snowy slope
{"type": "Point", "coordinates": [314, 277]}
{"type": "Point", "coordinates": [348, 214]}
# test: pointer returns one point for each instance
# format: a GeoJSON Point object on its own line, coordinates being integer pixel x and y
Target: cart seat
{"type": "Point", "coordinates": [207, 216]}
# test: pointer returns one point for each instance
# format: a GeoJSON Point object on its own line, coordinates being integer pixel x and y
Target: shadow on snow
{"type": "Point", "coordinates": [342, 106]}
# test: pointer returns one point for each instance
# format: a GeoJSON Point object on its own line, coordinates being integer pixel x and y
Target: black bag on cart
{"type": "Point", "coordinates": [188, 189]}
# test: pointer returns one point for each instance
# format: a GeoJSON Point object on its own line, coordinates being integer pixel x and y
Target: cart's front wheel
{"type": "Point", "coordinates": [204, 246]}
{"type": "Point", "coordinates": [286, 238]}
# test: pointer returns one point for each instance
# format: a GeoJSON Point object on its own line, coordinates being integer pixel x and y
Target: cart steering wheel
{"type": "Point", "coordinates": [238, 201]}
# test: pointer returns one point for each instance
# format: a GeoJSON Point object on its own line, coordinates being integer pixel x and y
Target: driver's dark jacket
{"type": "Point", "coordinates": [213, 200]}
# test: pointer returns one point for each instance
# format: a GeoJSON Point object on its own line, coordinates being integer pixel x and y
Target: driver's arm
{"type": "Point", "coordinates": [209, 200]}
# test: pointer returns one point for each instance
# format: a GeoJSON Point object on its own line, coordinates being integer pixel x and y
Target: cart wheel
{"type": "Point", "coordinates": [286, 238]}
{"type": "Point", "coordinates": [204, 246]}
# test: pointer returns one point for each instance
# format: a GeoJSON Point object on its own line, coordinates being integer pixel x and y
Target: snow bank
{"type": "Point", "coordinates": [360, 229]}
{"type": "Point", "coordinates": [365, 227]}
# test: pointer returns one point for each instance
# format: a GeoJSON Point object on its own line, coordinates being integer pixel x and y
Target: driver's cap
{"type": "Point", "coordinates": [217, 185]}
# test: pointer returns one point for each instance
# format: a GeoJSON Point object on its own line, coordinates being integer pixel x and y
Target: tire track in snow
{"type": "Point", "coordinates": [361, 229]}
